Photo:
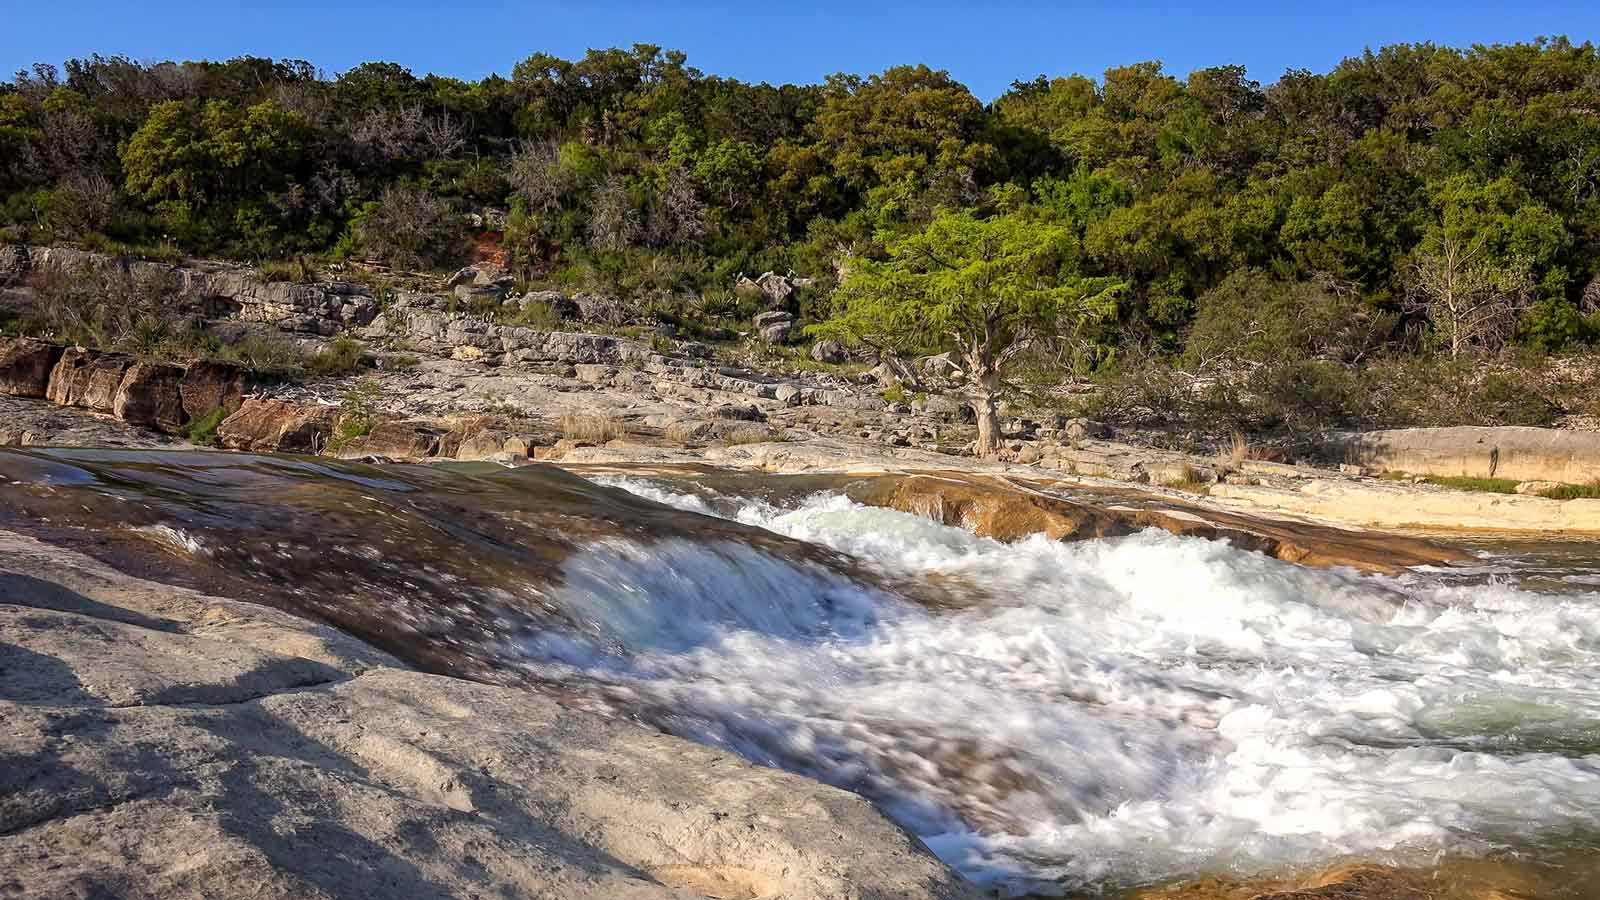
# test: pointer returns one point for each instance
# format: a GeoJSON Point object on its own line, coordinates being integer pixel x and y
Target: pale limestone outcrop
{"type": "Point", "coordinates": [164, 743]}
{"type": "Point", "coordinates": [1511, 452]}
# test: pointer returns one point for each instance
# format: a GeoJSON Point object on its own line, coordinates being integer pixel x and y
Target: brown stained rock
{"type": "Point", "coordinates": [267, 426]}
{"type": "Point", "coordinates": [208, 386]}
{"type": "Point", "coordinates": [483, 443]}
{"type": "Point", "coordinates": [149, 395]}
{"type": "Point", "coordinates": [1008, 511]}
{"type": "Point", "coordinates": [25, 366]}
{"type": "Point", "coordinates": [69, 377]}
{"type": "Point", "coordinates": [1450, 879]}
{"type": "Point", "coordinates": [396, 440]}
{"type": "Point", "coordinates": [87, 379]}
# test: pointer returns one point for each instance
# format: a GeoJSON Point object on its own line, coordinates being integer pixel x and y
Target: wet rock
{"type": "Point", "coordinates": [268, 426]}
{"type": "Point", "coordinates": [209, 385]}
{"type": "Point", "coordinates": [25, 366]}
{"type": "Point", "coordinates": [150, 395]}
{"type": "Point", "coordinates": [828, 351]}
{"type": "Point", "coordinates": [1009, 512]}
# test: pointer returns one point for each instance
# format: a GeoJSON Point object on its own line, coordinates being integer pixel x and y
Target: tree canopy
{"type": "Point", "coordinates": [630, 170]}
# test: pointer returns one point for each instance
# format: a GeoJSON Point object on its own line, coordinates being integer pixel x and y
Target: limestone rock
{"type": "Point", "coordinates": [87, 379]}
{"type": "Point", "coordinates": [828, 351]}
{"type": "Point", "coordinates": [1083, 429]}
{"type": "Point", "coordinates": [25, 366]}
{"type": "Point", "coordinates": [774, 326]}
{"type": "Point", "coordinates": [483, 443]}
{"type": "Point", "coordinates": [1537, 487]}
{"type": "Point", "coordinates": [396, 440]}
{"type": "Point", "coordinates": [184, 745]}
{"type": "Point", "coordinates": [600, 309]}
{"type": "Point", "coordinates": [209, 385]}
{"type": "Point", "coordinates": [268, 426]}
{"type": "Point", "coordinates": [150, 395]}
{"type": "Point", "coordinates": [1519, 453]}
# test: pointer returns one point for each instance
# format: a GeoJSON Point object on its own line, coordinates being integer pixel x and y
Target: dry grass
{"type": "Point", "coordinates": [1189, 481]}
{"type": "Point", "coordinates": [1231, 458]}
{"type": "Point", "coordinates": [594, 428]}
{"type": "Point", "coordinates": [755, 434]}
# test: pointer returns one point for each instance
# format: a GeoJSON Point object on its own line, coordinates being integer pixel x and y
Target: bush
{"type": "Point", "coordinates": [339, 358]}
{"type": "Point", "coordinates": [203, 431]}
{"type": "Point", "coordinates": [299, 270]}
{"type": "Point", "coordinates": [408, 228]}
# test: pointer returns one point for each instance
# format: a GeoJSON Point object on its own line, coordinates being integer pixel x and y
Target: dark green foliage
{"type": "Point", "coordinates": [1267, 235]}
{"type": "Point", "coordinates": [203, 431]}
{"type": "Point", "coordinates": [339, 358]}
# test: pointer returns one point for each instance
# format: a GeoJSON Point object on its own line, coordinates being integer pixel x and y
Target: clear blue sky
{"type": "Point", "coordinates": [985, 45]}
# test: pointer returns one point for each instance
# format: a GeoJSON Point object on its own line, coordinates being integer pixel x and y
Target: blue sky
{"type": "Point", "coordinates": [985, 45]}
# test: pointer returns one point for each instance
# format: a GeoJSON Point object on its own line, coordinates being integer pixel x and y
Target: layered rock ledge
{"type": "Point", "coordinates": [159, 742]}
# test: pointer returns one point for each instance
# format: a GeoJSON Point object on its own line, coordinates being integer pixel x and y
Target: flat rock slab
{"type": "Point", "coordinates": [158, 742]}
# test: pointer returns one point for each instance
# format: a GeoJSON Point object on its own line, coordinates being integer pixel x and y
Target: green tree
{"type": "Point", "coordinates": [985, 288]}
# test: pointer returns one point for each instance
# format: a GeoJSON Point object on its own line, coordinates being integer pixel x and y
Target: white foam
{"type": "Point", "coordinates": [1112, 711]}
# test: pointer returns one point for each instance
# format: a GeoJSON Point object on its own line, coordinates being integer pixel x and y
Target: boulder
{"type": "Point", "coordinates": [1083, 429]}
{"type": "Point", "coordinates": [87, 379]}
{"type": "Point", "coordinates": [829, 351]}
{"type": "Point", "coordinates": [484, 443]}
{"type": "Point", "coordinates": [150, 395]}
{"type": "Point", "coordinates": [555, 300]}
{"type": "Point", "coordinates": [208, 386]}
{"type": "Point", "coordinates": [278, 426]}
{"type": "Point", "coordinates": [746, 412]}
{"type": "Point", "coordinates": [774, 326]}
{"type": "Point", "coordinates": [25, 366]}
{"type": "Point", "coordinates": [600, 309]}
{"type": "Point", "coordinates": [407, 439]}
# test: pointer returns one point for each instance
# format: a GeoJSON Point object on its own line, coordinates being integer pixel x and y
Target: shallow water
{"type": "Point", "coordinates": [1048, 717]}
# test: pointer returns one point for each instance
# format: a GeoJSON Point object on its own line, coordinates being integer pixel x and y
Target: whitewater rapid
{"type": "Point", "coordinates": [1108, 712]}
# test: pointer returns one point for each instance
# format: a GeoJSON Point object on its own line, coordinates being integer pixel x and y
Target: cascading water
{"type": "Point", "coordinates": [1108, 712]}
{"type": "Point", "coordinates": [1047, 716]}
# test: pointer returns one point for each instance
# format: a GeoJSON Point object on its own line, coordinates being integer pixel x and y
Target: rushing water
{"type": "Point", "coordinates": [1047, 716]}
{"type": "Point", "coordinates": [1121, 711]}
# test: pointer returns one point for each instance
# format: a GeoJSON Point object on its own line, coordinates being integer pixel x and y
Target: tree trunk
{"type": "Point", "coordinates": [985, 396]}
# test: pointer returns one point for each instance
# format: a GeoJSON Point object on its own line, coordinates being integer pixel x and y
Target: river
{"type": "Point", "coordinates": [1048, 717]}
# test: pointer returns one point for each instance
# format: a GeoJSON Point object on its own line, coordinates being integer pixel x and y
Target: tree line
{"type": "Point", "coordinates": [1416, 199]}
